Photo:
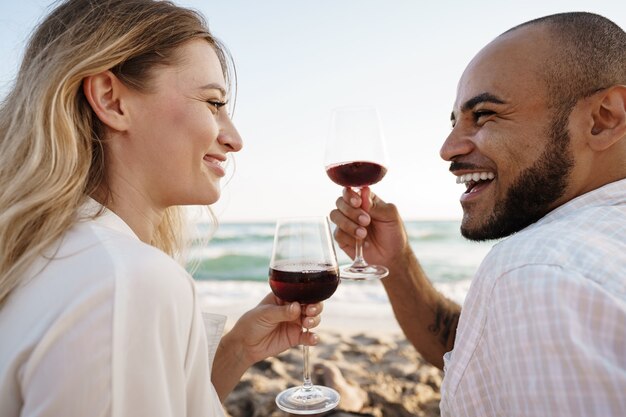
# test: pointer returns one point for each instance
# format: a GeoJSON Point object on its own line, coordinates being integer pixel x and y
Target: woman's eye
{"type": "Point", "coordinates": [215, 105]}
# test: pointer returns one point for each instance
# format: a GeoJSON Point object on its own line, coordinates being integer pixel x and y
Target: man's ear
{"type": "Point", "coordinates": [105, 94]}
{"type": "Point", "coordinates": [609, 118]}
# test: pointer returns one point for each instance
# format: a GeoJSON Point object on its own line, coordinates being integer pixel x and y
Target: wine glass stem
{"type": "Point", "coordinates": [359, 261]}
{"type": "Point", "coordinates": [306, 384]}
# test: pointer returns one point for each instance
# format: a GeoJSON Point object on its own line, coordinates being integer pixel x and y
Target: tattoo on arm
{"type": "Point", "coordinates": [446, 320]}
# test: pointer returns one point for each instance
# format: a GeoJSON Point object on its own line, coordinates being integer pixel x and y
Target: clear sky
{"type": "Point", "coordinates": [297, 59]}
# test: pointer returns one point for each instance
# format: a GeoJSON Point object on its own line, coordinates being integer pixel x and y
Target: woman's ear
{"type": "Point", "coordinates": [105, 94]}
{"type": "Point", "coordinates": [609, 118]}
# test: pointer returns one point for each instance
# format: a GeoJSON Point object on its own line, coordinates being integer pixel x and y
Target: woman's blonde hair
{"type": "Point", "coordinates": [51, 154]}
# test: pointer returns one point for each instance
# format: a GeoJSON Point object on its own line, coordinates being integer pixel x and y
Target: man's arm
{"type": "Point", "coordinates": [428, 319]}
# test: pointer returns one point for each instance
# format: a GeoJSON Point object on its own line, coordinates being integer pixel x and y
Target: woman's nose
{"type": "Point", "coordinates": [229, 137]}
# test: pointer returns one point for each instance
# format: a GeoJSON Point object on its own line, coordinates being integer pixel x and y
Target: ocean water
{"type": "Point", "coordinates": [234, 263]}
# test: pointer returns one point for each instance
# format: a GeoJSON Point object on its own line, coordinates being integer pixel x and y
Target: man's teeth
{"type": "Point", "coordinates": [475, 176]}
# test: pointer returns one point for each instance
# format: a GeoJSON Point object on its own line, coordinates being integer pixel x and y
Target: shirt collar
{"type": "Point", "coordinates": [91, 210]}
{"type": "Point", "coordinates": [612, 194]}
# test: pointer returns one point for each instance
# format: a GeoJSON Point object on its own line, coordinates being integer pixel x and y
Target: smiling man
{"type": "Point", "coordinates": [539, 141]}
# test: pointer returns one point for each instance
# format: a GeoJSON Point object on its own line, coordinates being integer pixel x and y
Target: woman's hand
{"type": "Point", "coordinates": [273, 326]}
{"type": "Point", "coordinates": [267, 330]}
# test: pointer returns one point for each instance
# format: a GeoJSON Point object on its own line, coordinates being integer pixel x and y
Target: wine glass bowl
{"type": "Point", "coordinates": [356, 157]}
{"type": "Point", "coordinates": [304, 283]}
{"type": "Point", "coordinates": [303, 268]}
{"type": "Point", "coordinates": [356, 174]}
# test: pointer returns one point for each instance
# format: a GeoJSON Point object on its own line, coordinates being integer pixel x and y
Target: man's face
{"type": "Point", "coordinates": [507, 146]}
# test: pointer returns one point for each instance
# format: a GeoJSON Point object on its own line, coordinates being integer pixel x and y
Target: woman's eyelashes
{"type": "Point", "coordinates": [216, 105]}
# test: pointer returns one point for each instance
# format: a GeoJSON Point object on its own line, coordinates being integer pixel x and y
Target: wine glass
{"type": "Point", "coordinates": [356, 157]}
{"type": "Point", "coordinates": [304, 268]}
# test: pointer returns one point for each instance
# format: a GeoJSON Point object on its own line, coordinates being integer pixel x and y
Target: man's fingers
{"type": "Point", "coordinates": [351, 197]}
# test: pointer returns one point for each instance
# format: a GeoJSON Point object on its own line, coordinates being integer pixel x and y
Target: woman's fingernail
{"type": "Point", "coordinates": [361, 232]}
{"type": "Point", "coordinates": [354, 201]}
{"type": "Point", "coordinates": [363, 219]}
{"type": "Point", "coordinates": [315, 338]}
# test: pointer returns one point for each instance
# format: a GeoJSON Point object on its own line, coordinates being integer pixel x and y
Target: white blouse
{"type": "Point", "coordinates": [107, 326]}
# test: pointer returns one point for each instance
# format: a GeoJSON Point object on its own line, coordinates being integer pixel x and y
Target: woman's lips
{"type": "Point", "coordinates": [214, 164]}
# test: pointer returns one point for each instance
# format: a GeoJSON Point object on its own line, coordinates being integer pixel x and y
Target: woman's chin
{"type": "Point", "coordinates": [210, 199]}
{"type": "Point", "coordinates": [199, 200]}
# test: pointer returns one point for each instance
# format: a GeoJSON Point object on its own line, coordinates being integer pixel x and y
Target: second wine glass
{"type": "Point", "coordinates": [303, 268]}
{"type": "Point", "coordinates": [356, 157]}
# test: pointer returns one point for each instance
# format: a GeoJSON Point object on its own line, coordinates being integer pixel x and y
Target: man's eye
{"type": "Point", "coordinates": [479, 114]}
{"type": "Point", "coordinates": [215, 105]}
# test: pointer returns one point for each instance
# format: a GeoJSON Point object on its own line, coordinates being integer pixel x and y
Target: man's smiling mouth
{"type": "Point", "coordinates": [472, 179]}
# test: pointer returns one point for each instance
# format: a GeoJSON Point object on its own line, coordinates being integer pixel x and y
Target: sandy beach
{"type": "Point", "coordinates": [359, 334]}
{"type": "Point", "coordinates": [384, 374]}
{"type": "Point", "coordinates": [380, 371]}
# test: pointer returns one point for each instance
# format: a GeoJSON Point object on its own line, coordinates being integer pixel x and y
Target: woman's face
{"type": "Point", "coordinates": [180, 134]}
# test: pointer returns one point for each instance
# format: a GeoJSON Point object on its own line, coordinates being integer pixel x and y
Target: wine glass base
{"type": "Point", "coordinates": [298, 400]}
{"type": "Point", "coordinates": [363, 273]}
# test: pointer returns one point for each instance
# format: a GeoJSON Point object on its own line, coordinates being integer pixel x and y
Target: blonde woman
{"type": "Point", "coordinates": [118, 117]}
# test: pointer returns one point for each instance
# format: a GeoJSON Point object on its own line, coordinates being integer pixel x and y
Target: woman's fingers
{"type": "Point", "coordinates": [312, 317]}
{"type": "Point", "coordinates": [311, 322]}
{"type": "Point", "coordinates": [314, 309]}
{"type": "Point", "coordinates": [309, 339]}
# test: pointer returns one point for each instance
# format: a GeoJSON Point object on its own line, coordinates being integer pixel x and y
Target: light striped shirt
{"type": "Point", "coordinates": [543, 328]}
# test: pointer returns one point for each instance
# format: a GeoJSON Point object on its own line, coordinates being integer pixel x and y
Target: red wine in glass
{"type": "Point", "coordinates": [304, 283]}
{"type": "Point", "coordinates": [356, 174]}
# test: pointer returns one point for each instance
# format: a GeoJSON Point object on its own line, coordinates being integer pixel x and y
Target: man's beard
{"type": "Point", "coordinates": [534, 191]}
